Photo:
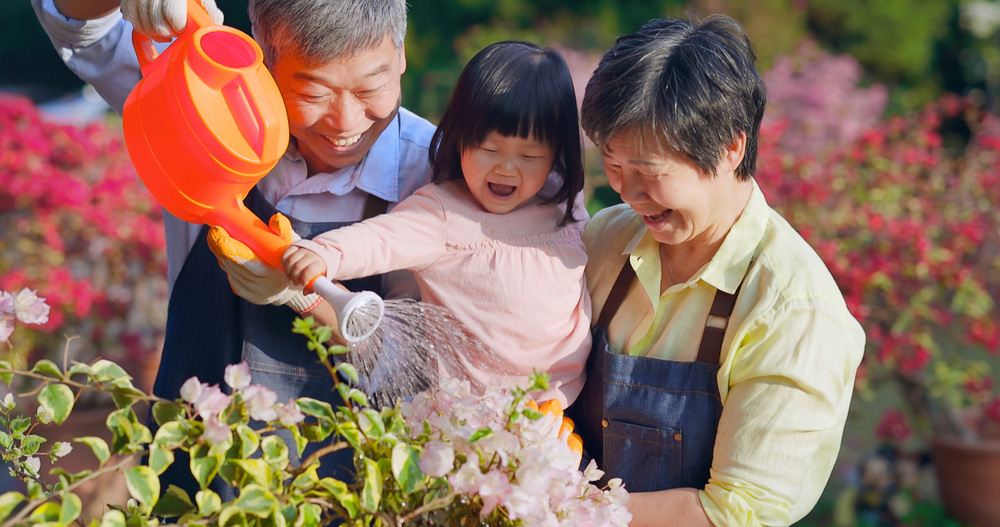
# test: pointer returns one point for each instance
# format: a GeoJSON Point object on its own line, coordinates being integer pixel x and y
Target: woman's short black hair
{"type": "Point", "coordinates": [693, 85]}
{"type": "Point", "coordinates": [516, 89]}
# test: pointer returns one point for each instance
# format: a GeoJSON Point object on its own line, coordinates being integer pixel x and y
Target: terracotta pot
{"type": "Point", "coordinates": [968, 476]}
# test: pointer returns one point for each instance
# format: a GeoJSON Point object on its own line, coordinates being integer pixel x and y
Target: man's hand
{"type": "Point", "coordinates": [163, 20]}
{"type": "Point", "coordinates": [254, 280]}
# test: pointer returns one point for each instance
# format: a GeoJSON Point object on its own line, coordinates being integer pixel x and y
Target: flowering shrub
{"type": "Point", "coordinates": [448, 457]}
{"type": "Point", "coordinates": [907, 225]}
{"type": "Point", "coordinates": [79, 226]}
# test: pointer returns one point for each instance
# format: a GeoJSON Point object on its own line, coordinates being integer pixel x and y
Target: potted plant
{"type": "Point", "coordinates": [905, 217]}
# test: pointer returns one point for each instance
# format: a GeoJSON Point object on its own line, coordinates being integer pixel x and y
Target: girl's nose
{"type": "Point", "coordinates": [505, 167]}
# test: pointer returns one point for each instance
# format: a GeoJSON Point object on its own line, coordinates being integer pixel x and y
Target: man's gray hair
{"type": "Point", "coordinates": [320, 31]}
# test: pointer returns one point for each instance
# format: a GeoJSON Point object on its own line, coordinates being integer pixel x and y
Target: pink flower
{"type": "Point", "coordinates": [29, 308]}
{"type": "Point", "coordinates": [216, 432]}
{"type": "Point", "coordinates": [191, 389]}
{"type": "Point", "coordinates": [438, 459]}
{"type": "Point", "coordinates": [260, 402]}
{"type": "Point", "coordinates": [7, 317]}
{"type": "Point", "coordinates": [211, 402]}
{"type": "Point", "coordinates": [237, 376]}
{"type": "Point", "coordinates": [290, 414]}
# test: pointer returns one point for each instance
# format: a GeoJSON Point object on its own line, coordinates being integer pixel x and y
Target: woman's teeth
{"type": "Point", "coordinates": [344, 142]}
{"type": "Point", "coordinates": [660, 216]}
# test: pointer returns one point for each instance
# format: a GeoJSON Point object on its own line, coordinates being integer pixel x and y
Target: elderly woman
{"type": "Point", "coordinates": [726, 359]}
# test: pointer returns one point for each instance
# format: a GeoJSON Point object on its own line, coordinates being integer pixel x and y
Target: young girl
{"type": "Point", "coordinates": [496, 239]}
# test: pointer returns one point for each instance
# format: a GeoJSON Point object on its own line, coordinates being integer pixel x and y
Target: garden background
{"type": "Point", "coordinates": [881, 145]}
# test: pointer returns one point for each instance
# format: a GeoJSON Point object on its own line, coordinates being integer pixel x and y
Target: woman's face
{"type": "Point", "coordinates": [678, 203]}
{"type": "Point", "coordinates": [503, 172]}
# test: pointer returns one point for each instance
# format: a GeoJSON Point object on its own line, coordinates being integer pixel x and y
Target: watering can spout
{"type": "Point", "coordinates": [358, 313]}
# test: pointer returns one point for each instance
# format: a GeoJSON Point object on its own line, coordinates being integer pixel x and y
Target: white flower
{"type": "Point", "coordinates": [438, 459]}
{"type": "Point", "coordinates": [61, 448]}
{"type": "Point", "coordinates": [237, 376]}
{"type": "Point", "coordinates": [43, 415]}
{"type": "Point", "coordinates": [260, 401]}
{"type": "Point", "coordinates": [216, 432]}
{"type": "Point", "coordinates": [211, 402]}
{"type": "Point", "coordinates": [191, 389]}
{"type": "Point", "coordinates": [7, 316]}
{"type": "Point", "coordinates": [32, 465]}
{"type": "Point", "coordinates": [29, 308]}
{"type": "Point", "coordinates": [592, 473]}
{"type": "Point", "coordinates": [290, 414]}
{"type": "Point", "coordinates": [8, 401]}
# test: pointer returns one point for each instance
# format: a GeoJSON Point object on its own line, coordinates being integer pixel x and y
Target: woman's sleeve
{"type": "Point", "coordinates": [411, 236]}
{"type": "Point", "coordinates": [789, 388]}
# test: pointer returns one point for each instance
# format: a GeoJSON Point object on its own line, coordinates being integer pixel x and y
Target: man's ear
{"type": "Point", "coordinates": [402, 59]}
{"type": "Point", "coordinates": [733, 155]}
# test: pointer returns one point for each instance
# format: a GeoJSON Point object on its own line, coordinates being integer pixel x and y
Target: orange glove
{"type": "Point", "coordinates": [554, 408]}
{"type": "Point", "coordinates": [253, 279]}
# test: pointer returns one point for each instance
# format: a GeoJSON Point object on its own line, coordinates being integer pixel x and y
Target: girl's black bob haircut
{"type": "Point", "coordinates": [516, 89]}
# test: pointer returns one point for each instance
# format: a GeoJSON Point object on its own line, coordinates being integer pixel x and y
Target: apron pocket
{"type": "Point", "coordinates": [645, 458]}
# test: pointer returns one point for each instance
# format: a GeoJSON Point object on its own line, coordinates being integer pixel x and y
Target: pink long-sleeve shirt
{"type": "Point", "coordinates": [516, 280]}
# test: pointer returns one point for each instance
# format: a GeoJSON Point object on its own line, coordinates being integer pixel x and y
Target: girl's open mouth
{"type": "Point", "coordinates": [501, 190]}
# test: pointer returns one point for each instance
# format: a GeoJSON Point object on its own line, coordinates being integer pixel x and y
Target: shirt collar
{"type": "Point", "coordinates": [377, 173]}
{"type": "Point", "coordinates": [725, 271]}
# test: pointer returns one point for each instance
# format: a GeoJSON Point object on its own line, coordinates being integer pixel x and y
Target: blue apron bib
{"type": "Point", "coordinates": [648, 421]}
{"type": "Point", "coordinates": [209, 327]}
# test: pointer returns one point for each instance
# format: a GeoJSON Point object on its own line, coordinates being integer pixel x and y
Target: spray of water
{"type": "Point", "coordinates": [415, 345]}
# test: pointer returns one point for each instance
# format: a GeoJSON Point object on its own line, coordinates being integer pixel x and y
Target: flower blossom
{"type": "Point", "coordinates": [290, 414]}
{"type": "Point", "coordinates": [61, 448]}
{"type": "Point", "coordinates": [32, 465]}
{"type": "Point", "coordinates": [211, 402]}
{"type": "Point", "coordinates": [237, 376]}
{"type": "Point", "coordinates": [8, 401]}
{"type": "Point", "coordinates": [29, 308]}
{"type": "Point", "coordinates": [260, 402]}
{"type": "Point", "coordinates": [216, 432]}
{"type": "Point", "coordinates": [43, 415]}
{"type": "Point", "coordinates": [7, 316]}
{"type": "Point", "coordinates": [191, 389]}
{"type": "Point", "coordinates": [438, 459]}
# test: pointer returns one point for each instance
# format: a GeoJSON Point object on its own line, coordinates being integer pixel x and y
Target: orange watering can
{"type": "Point", "coordinates": [205, 123]}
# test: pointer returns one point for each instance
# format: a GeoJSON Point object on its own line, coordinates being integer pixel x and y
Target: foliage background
{"type": "Point", "coordinates": [841, 67]}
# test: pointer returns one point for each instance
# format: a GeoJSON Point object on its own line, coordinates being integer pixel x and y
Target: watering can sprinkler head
{"type": "Point", "coordinates": [358, 313]}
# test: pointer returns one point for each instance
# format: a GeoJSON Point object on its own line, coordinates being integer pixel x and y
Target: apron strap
{"type": "Point", "coordinates": [374, 206]}
{"type": "Point", "coordinates": [617, 295]}
{"type": "Point", "coordinates": [710, 349]}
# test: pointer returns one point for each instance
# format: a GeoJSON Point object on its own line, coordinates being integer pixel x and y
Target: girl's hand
{"type": "Point", "coordinates": [302, 265]}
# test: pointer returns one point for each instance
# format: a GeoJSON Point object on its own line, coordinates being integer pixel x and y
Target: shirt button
{"type": "Point", "coordinates": [677, 437]}
{"type": "Point", "coordinates": [604, 423]}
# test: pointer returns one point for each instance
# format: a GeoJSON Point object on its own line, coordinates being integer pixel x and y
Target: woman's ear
{"type": "Point", "coordinates": [733, 155]}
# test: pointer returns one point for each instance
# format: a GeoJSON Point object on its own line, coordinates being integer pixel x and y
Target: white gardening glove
{"type": "Point", "coordinates": [162, 20]}
{"type": "Point", "coordinates": [254, 280]}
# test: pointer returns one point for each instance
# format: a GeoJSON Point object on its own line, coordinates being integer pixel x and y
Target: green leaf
{"type": "Point", "coordinates": [71, 508]}
{"type": "Point", "coordinates": [232, 515]}
{"type": "Point", "coordinates": [98, 445]}
{"type": "Point", "coordinates": [58, 400]}
{"type": "Point", "coordinates": [170, 435]}
{"type": "Point", "coordinates": [275, 451]}
{"type": "Point", "coordinates": [8, 501]}
{"type": "Point", "coordinates": [105, 370]}
{"type": "Point", "coordinates": [208, 502]}
{"type": "Point", "coordinates": [300, 442]}
{"type": "Point", "coordinates": [375, 428]}
{"type": "Point", "coordinates": [160, 459]}
{"type": "Point", "coordinates": [79, 367]}
{"type": "Point", "coordinates": [48, 368]}
{"type": "Point", "coordinates": [113, 518]}
{"type": "Point", "coordinates": [143, 485]}
{"type": "Point", "coordinates": [349, 431]}
{"type": "Point", "coordinates": [19, 426]}
{"type": "Point", "coordinates": [256, 469]}
{"type": "Point", "coordinates": [406, 468]}
{"type": "Point", "coordinates": [6, 440]}
{"type": "Point", "coordinates": [46, 512]}
{"type": "Point", "coordinates": [6, 372]}
{"type": "Point", "coordinates": [249, 440]}
{"type": "Point", "coordinates": [350, 501]}
{"type": "Point", "coordinates": [348, 370]}
{"type": "Point", "coordinates": [307, 479]}
{"type": "Point", "coordinates": [479, 434]}
{"type": "Point", "coordinates": [309, 514]}
{"type": "Point", "coordinates": [30, 444]}
{"type": "Point", "coordinates": [203, 466]}
{"type": "Point", "coordinates": [318, 409]}
{"type": "Point", "coordinates": [371, 493]}
{"type": "Point", "coordinates": [256, 500]}
{"type": "Point", "coordinates": [166, 412]}
{"type": "Point", "coordinates": [174, 502]}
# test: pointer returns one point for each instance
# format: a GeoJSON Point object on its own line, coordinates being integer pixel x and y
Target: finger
{"type": "Point", "coordinates": [174, 16]}
{"type": "Point", "coordinates": [224, 246]}
{"type": "Point", "coordinates": [213, 11]}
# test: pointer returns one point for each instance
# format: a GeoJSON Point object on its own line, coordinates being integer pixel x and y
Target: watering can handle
{"type": "Point", "coordinates": [146, 51]}
{"type": "Point", "coordinates": [244, 95]}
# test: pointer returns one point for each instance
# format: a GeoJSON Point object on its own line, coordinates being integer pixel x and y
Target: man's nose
{"type": "Point", "coordinates": [345, 113]}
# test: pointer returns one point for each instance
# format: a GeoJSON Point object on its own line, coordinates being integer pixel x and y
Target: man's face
{"type": "Point", "coordinates": [337, 110]}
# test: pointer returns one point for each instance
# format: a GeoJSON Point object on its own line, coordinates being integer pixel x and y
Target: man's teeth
{"type": "Point", "coordinates": [344, 142]}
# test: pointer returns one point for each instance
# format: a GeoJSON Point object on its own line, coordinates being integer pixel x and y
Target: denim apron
{"type": "Point", "coordinates": [652, 422]}
{"type": "Point", "coordinates": [210, 327]}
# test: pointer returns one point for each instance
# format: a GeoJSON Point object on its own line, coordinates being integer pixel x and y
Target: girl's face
{"type": "Point", "coordinates": [503, 172]}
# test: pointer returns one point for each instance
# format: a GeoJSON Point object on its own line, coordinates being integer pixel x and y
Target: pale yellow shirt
{"type": "Point", "coordinates": [788, 359]}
